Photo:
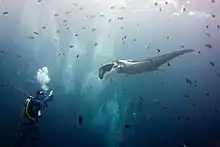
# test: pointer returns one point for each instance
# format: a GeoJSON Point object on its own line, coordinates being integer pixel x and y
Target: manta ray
{"type": "Point", "coordinates": [139, 66]}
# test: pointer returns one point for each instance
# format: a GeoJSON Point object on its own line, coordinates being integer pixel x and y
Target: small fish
{"type": "Point", "coordinates": [160, 9]}
{"type": "Point", "coordinates": [162, 83]}
{"type": "Point", "coordinates": [219, 74]}
{"type": "Point", "coordinates": [83, 28]}
{"type": "Point", "coordinates": [207, 26]}
{"type": "Point", "coordinates": [216, 110]}
{"type": "Point", "coordinates": [80, 120]}
{"type": "Point", "coordinates": [209, 46]}
{"type": "Point", "coordinates": [39, 1]}
{"type": "Point", "coordinates": [193, 104]}
{"type": "Point", "coordinates": [61, 54]}
{"type": "Point", "coordinates": [4, 13]}
{"type": "Point", "coordinates": [125, 37]}
{"type": "Point", "coordinates": [30, 37]}
{"type": "Point", "coordinates": [96, 44]}
{"type": "Point", "coordinates": [155, 3]}
{"type": "Point", "coordinates": [109, 20]}
{"type": "Point", "coordinates": [81, 8]}
{"type": "Point", "coordinates": [199, 52]}
{"type": "Point", "coordinates": [213, 15]}
{"type": "Point", "coordinates": [64, 21]}
{"type": "Point", "coordinates": [75, 4]}
{"type": "Point", "coordinates": [76, 35]}
{"type": "Point", "coordinates": [101, 15]}
{"type": "Point", "coordinates": [218, 26]}
{"type": "Point", "coordinates": [207, 93]}
{"type": "Point", "coordinates": [36, 33]}
{"type": "Point", "coordinates": [207, 34]}
{"type": "Point", "coordinates": [93, 30]}
{"type": "Point", "coordinates": [190, 82]}
{"type": "Point", "coordinates": [67, 12]}
{"type": "Point", "coordinates": [141, 98]}
{"type": "Point", "coordinates": [134, 39]}
{"type": "Point", "coordinates": [19, 56]}
{"type": "Point", "coordinates": [127, 126]}
{"type": "Point", "coordinates": [184, 9]}
{"type": "Point", "coordinates": [168, 37]}
{"type": "Point", "coordinates": [43, 27]}
{"type": "Point", "coordinates": [120, 18]}
{"type": "Point", "coordinates": [122, 8]}
{"type": "Point", "coordinates": [1, 85]}
{"type": "Point", "coordinates": [77, 56]}
{"type": "Point", "coordinates": [182, 46]}
{"type": "Point", "coordinates": [67, 28]}
{"type": "Point", "coordinates": [168, 64]}
{"type": "Point", "coordinates": [58, 31]}
{"type": "Point", "coordinates": [166, 2]}
{"type": "Point", "coordinates": [71, 46]}
{"type": "Point", "coordinates": [122, 27]}
{"type": "Point", "coordinates": [158, 50]}
{"type": "Point", "coordinates": [165, 107]}
{"type": "Point", "coordinates": [92, 16]}
{"type": "Point", "coordinates": [112, 7]}
{"type": "Point", "coordinates": [177, 117]}
{"type": "Point", "coordinates": [213, 1]}
{"type": "Point", "coordinates": [212, 63]}
{"type": "Point", "coordinates": [156, 101]}
{"type": "Point", "coordinates": [2, 52]}
{"type": "Point", "coordinates": [56, 14]}
{"type": "Point", "coordinates": [186, 95]}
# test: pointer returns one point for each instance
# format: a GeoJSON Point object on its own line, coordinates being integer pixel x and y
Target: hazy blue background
{"type": "Point", "coordinates": [107, 106]}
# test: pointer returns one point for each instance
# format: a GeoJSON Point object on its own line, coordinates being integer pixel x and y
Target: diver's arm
{"type": "Point", "coordinates": [48, 98]}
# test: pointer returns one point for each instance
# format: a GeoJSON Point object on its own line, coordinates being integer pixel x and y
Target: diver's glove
{"type": "Point", "coordinates": [51, 93]}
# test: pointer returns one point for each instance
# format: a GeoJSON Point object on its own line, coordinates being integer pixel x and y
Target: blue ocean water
{"type": "Point", "coordinates": [162, 109]}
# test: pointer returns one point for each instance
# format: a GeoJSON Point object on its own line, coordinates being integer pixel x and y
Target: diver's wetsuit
{"type": "Point", "coordinates": [34, 106]}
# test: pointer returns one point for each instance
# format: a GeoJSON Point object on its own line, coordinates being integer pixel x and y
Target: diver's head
{"type": "Point", "coordinates": [40, 94]}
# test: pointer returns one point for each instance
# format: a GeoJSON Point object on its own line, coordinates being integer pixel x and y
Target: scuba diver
{"type": "Point", "coordinates": [31, 113]}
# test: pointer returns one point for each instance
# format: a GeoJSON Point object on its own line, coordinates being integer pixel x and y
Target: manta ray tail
{"type": "Point", "coordinates": [160, 60]}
